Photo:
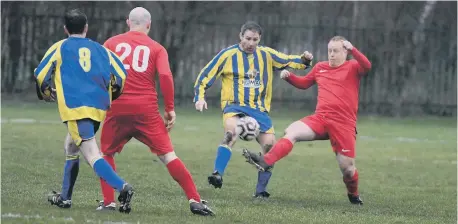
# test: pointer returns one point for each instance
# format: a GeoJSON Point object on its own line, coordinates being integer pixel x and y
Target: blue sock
{"type": "Point", "coordinates": [222, 158]}
{"type": "Point", "coordinates": [104, 171]}
{"type": "Point", "coordinates": [263, 180]}
{"type": "Point", "coordinates": [71, 169]}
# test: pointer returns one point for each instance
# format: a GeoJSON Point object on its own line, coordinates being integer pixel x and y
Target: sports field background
{"type": "Point", "coordinates": [407, 173]}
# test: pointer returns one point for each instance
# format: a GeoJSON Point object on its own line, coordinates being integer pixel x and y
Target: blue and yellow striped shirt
{"type": "Point", "coordinates": [246, 78]}
{"type": "Point", "coordinates": [83, 72]}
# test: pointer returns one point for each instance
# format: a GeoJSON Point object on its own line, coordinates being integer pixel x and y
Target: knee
{"type": "Point", "coordinates": [168, 157]}
{"type": "Point", "coordinates": [267, 147]}
{"type": "Point", "coordinates": [90, 151]}
{"type": "Point", "coordinates": [291, 134]}
{"type": "Point", "coordinates": [229, 138]}
{"type": "Point", "coordinates": [348, 170]}
{"type": "Point", "coordinates": [71, 149]}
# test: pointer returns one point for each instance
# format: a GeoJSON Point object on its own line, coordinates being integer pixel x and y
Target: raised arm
{"type": "Point", "coordinates": [208, 75]}
{"type": "Point", "coordinates": [282, 61]}
{"type": "Point", "coordinates": [165, 79]}
{"type": "Point", "coordinates": [364, 65]}
{"type": "Point", "coordinates": [300, 82]}
{"type": "Point", "coordinates": [118, 73]}
{"type": "Point", "coordinates": [45, 69]}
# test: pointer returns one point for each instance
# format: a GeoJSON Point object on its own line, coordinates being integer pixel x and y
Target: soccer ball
{"type": "Point", "coordinates": [247, 128]}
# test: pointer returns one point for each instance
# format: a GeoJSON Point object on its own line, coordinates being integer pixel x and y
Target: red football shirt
{"type": "Point", "coordinates": [142, 58]}
{"type": "Point", "coordinates": [338, 87]}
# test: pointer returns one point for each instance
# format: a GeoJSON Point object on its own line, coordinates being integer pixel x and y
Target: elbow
{"type": "Point", "coordinates": [369, 66]}
{"type": "Point", "coordinates": [116, 92]}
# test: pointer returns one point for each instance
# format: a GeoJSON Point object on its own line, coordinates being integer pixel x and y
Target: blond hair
{"type": "Point", "coordinates": [338, 38]}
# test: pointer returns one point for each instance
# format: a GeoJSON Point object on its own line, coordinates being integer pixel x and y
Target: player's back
{"type": "Point", "coordinates": [83, 74]}
{"type": "Point", "coordinates": [138, 52]}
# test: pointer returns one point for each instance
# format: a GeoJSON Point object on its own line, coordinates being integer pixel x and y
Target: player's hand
{"type": "Point", "coordinates": [347, 45]}
{"type": "Point", "coordinates": [200, 105]}
{"type": "Point", "coordinates": [49, 95]}
{"type": "Point", "coordinates": [307, 56]}
{"type": "Point", "coordinates": [285, 74]}
{"type": "Point", "coordinates": [169, 119]}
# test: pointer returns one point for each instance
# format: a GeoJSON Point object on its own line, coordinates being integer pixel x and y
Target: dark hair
{"type": "Point", "coordinates": [75, 20]}
{"type": "Point", "coordinates": [253, 26]}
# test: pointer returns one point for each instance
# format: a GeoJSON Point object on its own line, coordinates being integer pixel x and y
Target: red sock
{"type": "Point", "coordinates": [107, 191]}
{"type": "Point", "coordinates": [282, 148]}
{"type": "Point", "coordinates": [352, 184]}
{"type": "Point", "coordinates": [181, 174]}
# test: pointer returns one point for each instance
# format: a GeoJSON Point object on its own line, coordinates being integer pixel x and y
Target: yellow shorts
{"type": "Point", "coordinates": [83, 129]}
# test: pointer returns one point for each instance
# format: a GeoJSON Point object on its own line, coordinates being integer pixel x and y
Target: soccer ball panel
{"type": "Point", "coordinates": [247, 128]}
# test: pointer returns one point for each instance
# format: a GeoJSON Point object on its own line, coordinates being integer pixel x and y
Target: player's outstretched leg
{"type": "Point", "coordinates": [71, 169]}
{"type": "Point", "coordinates": [183, 177]}
{"type": "Point", "coordinates": [101, 167]}
{"type": "Point", "coordinates": [264, 163]}
{"type": "Point", "coordinates": [224, 152]}
{"type": "Point", "coordinates": [256, 159]}
{"type": "Point", "coordinates": [297, 131]}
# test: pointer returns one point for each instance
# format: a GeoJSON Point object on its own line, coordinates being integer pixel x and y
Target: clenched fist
{"type": "Point", "coordinates": [307, 56]}
{"type": "Point", "coordinates": [347, 45]}
{"type": "Point", "coordinates": [285, 74]}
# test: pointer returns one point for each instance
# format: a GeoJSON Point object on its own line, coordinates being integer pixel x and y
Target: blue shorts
{"type": "Point", "coordinates": [265, 123]}
{"type": "Point", "coordinates": [83, 129]}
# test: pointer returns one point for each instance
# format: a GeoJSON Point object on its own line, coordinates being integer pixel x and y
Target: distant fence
{"type": "Point", "coordinates": [414, 70]}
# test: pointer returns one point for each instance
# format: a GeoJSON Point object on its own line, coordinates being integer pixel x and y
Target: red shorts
{"type": "Point", "coordinates": [149, 129]}
{"type": "Point", "coordinates": [341, 135]}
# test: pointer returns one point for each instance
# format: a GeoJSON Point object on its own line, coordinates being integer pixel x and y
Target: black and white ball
{"type": "Point", "coordinates": [247, 128]}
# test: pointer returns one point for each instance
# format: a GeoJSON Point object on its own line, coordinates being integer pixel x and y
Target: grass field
{"type": "Point", "coordinates": [407, 174]}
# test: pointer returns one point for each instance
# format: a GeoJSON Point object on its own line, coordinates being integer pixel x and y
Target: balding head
{"type": "Point", "coordinates": [139, 19]}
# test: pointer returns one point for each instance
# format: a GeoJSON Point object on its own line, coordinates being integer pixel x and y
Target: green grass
{"type": "Point", "coordinates": [407, 174]}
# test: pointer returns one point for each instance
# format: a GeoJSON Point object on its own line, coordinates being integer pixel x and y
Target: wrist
{"type": "Point", "coordinates": [306, 62]}
{"type": "Point", "coordinates": [290, 76]}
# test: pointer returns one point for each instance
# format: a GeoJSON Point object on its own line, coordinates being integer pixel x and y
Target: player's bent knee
{"type": "Point", "coordinates": [229, 138]}
{"type": "Point", "coordinates": [168, 157]}
{"type": "Point", "coordinates": [346, 165]}
{"type": "Point", "coordinates": [90, 151]}
{"type": "Point", "coordinates": [267, 141]}
{"type": "Point", "coordinates": [348, 171]}
{"type": "Point", "coordinates": [71, 149]}
{"type": "Point", "coordinates": [299, 131]}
